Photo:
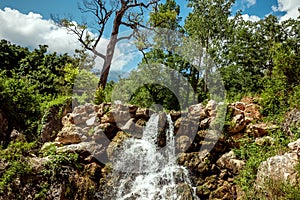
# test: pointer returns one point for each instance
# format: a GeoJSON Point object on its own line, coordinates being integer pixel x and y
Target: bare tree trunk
{"type": "Point", "coordinates": [111, 48]}
{"type": "Point", "coordinates": [107, 63]}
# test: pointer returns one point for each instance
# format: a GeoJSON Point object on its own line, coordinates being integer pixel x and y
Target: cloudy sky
{"type": "Point", "coordinates": [28, 23]}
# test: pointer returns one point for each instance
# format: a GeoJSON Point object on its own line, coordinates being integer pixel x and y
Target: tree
{"type": "Point", "coordinates": [209, 25]}
{"type": "Point", "coordinates": [127, 13]}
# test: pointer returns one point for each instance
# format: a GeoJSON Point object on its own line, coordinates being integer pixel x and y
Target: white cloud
{"type": "Point", "coordinates": [250, 3]}
{"type": "Point", "coordinates": [31, 30]}
{"type": "Point", "coordinates": [288, 6]}
{"type": "Point", "coordinates": [252, 18]}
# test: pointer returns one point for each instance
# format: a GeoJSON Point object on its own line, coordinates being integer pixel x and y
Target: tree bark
{"type": "Point", "coordinates": [111, 47]}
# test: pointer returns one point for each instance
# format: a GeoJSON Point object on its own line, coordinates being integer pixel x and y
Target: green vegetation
{"type": "Point", "coordinates": [16, 156]}
{"type": "Point", "coordinates": [181, 59]}
{"type": "Point", "coordinates": [254, 154]}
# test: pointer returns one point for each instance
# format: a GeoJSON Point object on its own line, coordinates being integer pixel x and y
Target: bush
{"type": "Point", "coordinates": [16, 155]}
{"type": "Point", "coordinates": [274, 97]}
{"type": "Point", "coordinates": [254, 155]}
{"type": "Point", "coordinates": [21, 102]}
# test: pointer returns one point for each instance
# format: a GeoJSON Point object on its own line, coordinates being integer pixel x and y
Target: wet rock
{"type": "Point", "coordinates": [183, 143]}
{"type": "Point", "coordinates": [134, 129]}
{"type": "Point", "coordinates": [184, 191]}
{"type": "Point", "coordinates": [116, 143]}
{"type": "Point", "coordinates": [177, 123]}
{"type": "Point", "coordinates": [162, 130]}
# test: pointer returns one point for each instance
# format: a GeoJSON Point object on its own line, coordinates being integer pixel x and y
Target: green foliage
{"type": "Point", "coordinates": [85, 86]}
{"type": "Point", "coordinates": [166, 16]}
{"type": "Point", "coordinates": [43, 191]}
{"type": "Point", "coordinates": [104, 95]}
{"type": "Point", "coordinates": [16, 155]}
{"type": "Point", "coordinates": [274, 97]}
{"type": "Point", "coordinates": [294, 99]}
{"type": "Point", "coordinates": [29, 80]}
{"type": "Point", "coordinates": [59, 161]}
{"type": "Point", "coordinates": [254, 154]}
{"type": "Point", "coordinates": [20, 101]}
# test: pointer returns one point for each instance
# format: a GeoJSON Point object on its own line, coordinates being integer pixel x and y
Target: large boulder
{"type": "Point", "coordinates": [196, 161]}
{"type": "Point", "coordinates": [70, 135]}
{"type": "Point", "coordinates": [133, 128]}
{"type": "Point", "coordinates": [238, 123]}
{"type": "Point", "coordinates": [52, 121]}
{"type": "Point", "coordinates": [88, 151]}
{"type": "Point", "coordinates": [230, 161]}
{"type": "Point", "coordinates": [116, 143]}
{"type": "Point", "coordinates": [280, 169]}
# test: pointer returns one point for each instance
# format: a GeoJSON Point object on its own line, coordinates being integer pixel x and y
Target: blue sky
{"type": "Point", "coordinates": [47, 7]}
{"type": "Point", "coordinates": [27, 23]}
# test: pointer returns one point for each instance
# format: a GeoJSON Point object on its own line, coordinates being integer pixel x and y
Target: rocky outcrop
{"type": "Point", "coordinates": [229, 161]}
{"type": "Point", "coordinates": [96, 132]}
{"type": "Point", "coordinates": [280, 169]}
{"type": "Point", "coordinates": [52, 121]}
{"type": "Point", "coordinates": [70, 135]}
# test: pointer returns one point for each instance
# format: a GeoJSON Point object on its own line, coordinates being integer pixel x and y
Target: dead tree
{"type": "Point", "coordinates": [128, 13]}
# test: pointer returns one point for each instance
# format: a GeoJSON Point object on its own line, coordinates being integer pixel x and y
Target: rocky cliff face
{"type": "Point", "coordinates": [95, 132]}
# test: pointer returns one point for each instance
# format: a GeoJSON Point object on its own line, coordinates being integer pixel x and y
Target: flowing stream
{"type": "Point", "coordinates": [148, 172]}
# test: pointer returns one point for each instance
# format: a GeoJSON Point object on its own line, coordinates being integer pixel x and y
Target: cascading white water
{"type": "Point", "coordinates": [147, 172]}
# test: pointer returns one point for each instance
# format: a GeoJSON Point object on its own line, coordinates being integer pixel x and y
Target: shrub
{"type": "Point", "coordinates": [16, 155]}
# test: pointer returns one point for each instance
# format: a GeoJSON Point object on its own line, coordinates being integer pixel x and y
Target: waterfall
{"type": "Point", "coordinates": [145, 171]}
